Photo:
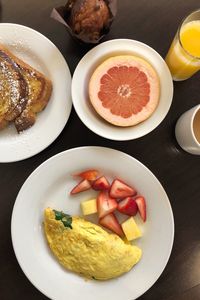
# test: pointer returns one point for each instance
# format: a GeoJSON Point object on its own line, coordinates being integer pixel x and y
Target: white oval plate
{"type": "Point", "coordinates": [30, 245]}
{"type": "Point", "coordinates": [86, 67]}
{"type": "Point", "coordinates": [38, 51]}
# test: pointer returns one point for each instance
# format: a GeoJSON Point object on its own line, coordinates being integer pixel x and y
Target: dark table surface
{"type": "Point", "coordinates": [154, 23]}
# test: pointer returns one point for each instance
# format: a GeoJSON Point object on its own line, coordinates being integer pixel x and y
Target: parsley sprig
{"type": "Point", "coordinates": [64, 218]}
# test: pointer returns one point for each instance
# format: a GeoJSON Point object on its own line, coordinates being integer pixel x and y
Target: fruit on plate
{"type": "Point", "coordinates": [117, 196]}
{"type": "Point", "coordinates": [141, 203]}
{"type": "Point", "coordinates": [101, 183]}
{"type": "Point", "coordinates": [81, 187]}
{"type": "Point", "coordinates": [124, 90]}
{"type": "Point", "coordinates": [110, 221]}
{"type": "Point", "coordinates": [87, 249]}
{"type": "Point", "coordinates": [89, 207]}
{"type": "Point", "coordinates": [87, 174]}
{"type": "Point", "coordinates": [131, 229]}
{"type": "Point", "coordinates": [105, 204]}
{"type": "Point", "coordinates": [120, 190]}
{"type": "Point", "coordinates": [128, 206]}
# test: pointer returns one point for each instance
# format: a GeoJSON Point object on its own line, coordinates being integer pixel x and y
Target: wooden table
{"type": "Point", "coordinates": [154, 23]}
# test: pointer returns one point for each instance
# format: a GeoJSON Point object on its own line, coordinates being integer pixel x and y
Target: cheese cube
{"type": "Point", "coordinates": [131, 230]}
{"type": "Point", "coordinates": [89, 207]}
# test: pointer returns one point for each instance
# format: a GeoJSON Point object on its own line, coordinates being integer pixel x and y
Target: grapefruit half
{"type": "Point", "coordinates": [124, 90]}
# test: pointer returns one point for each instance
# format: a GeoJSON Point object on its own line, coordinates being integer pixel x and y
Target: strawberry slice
{"type": "Point", "coordinates": [128, 206]}
{"type": "Point", "coordinates": [141, 203]}
{"type": "Point", "coordinates": [121, 190]}
{"type": "Point", "coordinates": [111, 222]}
{"type": "Point", "coordinates": [81, 187]}
{"type": "Point", "coordinates": [101, 183]}
{"type": "Point", "coordinates": [105, 204]}
{"type": "Point", "coordinates": [88, 174]}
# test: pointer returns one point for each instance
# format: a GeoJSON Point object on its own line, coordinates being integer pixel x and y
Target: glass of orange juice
{"type": "Point", "coordinates": [183, 57]}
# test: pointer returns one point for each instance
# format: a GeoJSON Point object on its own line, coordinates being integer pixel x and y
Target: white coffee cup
{"type": "Point", "coordinates": [187, 130]}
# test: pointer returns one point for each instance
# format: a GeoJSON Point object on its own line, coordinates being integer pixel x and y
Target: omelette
{"type": "Point", "coordinates": [87, 249]}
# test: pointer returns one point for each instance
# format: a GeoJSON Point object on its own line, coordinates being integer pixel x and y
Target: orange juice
{"type": "Point", "coordinates": [183, 58]}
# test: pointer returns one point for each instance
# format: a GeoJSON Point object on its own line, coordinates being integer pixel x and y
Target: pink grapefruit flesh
{"type": "Point", "coordinates": [124, 90]}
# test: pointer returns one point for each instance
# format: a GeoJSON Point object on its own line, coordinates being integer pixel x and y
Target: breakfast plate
{"type": "Point", "coordinates": [84, 71]}
{"type": "Point", "coordinates": [38, 51]}
{"type": "Point", "coordinates": [32, 251]}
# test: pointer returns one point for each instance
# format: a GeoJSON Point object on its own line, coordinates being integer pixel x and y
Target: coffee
{"type": "Point", "coordinates": [196, 126]}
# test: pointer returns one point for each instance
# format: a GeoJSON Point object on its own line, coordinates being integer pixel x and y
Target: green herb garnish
{"type": "Point", "coordinates": [64, 218]}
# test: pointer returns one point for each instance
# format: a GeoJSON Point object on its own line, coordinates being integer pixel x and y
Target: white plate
{"type": "Point", "coordinates": [86, 67]}
{"type": "Point", "coordinates": [30, 245]}
{"type": "Point", "coordinates": [42, 54]}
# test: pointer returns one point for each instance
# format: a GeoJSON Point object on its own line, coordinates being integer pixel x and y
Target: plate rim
{"type": "Point", "coordinates": [65, 65]}
{"type": "Point", "coordinates": [42, 165]}
{"type": "Point", "coordinates": [78, 110]}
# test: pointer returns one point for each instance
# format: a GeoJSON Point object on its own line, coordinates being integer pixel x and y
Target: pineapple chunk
{"type": "Point", "coordinates": [89, 207]}
{"type": "Point", "coordinates": [131, 230]}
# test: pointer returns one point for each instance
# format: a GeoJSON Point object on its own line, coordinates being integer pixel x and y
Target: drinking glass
{"type": "Point", "coordinates": [183, 57]}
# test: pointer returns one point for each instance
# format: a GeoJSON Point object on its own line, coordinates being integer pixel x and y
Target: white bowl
{"type": "Point", "coordinates": [86, 67]}
{"type": "Point", "coordinates": [29, 243]}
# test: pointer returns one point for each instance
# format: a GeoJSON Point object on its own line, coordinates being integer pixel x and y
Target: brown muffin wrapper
{"type": "Point", "coordinates": [60, 14]}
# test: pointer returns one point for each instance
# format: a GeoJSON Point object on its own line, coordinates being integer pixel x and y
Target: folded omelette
{"type": "Point", "coordinates": [87, 249]}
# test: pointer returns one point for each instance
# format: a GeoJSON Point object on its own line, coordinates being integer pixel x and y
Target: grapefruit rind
{"type": "Point", "coordinates": [129, 61]}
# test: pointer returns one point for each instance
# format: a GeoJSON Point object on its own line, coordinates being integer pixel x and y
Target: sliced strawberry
{"type": "Point", "coordinates": [105, 204]}
{"type": "Point", "coordinates": [81, 187]}
{"type": "Point", "coordinates": [101, 183]}
{"type": "Point", "coordinates": [128, 206]}
{"type": "Point", "coordinates": [121, 190]}
{"type": "Point", "coordinates": [111, 222]}
{"type": "Point", "coordinates": [141, 203]}
{"type": "Point", "coordinates": [88, 174]}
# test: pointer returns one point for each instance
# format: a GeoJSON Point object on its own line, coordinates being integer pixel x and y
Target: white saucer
{"type": "Point", "coordinates": [30, 245]}
{"type": "Point", "coordinates": [38, 51]}
{"type": "Point", "coordinates": [86, 67]}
